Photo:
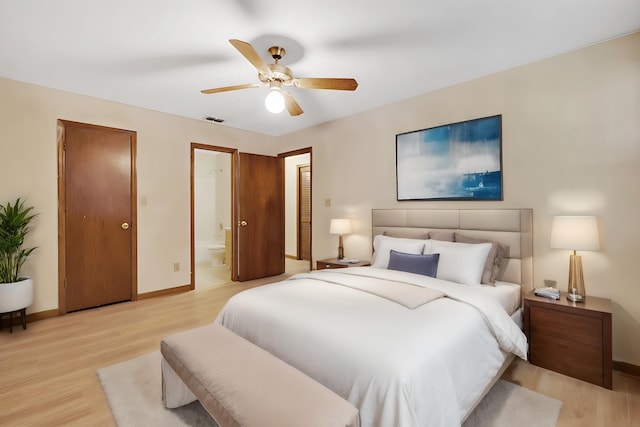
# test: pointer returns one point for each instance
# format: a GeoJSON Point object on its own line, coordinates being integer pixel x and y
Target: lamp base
{"type": "Point", "coordinates": [576, 279]}
{"type": "Point", "coordinates": [340, 248]}
{"type": "Point", "coordinates": [575, 297]}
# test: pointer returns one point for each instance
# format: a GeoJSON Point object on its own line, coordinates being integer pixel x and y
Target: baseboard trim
{"type": "Point", "coordinates": [627, 368]}
{"type": "Point", "coordinates": [47, 314]}
{"type": "Point", "coordinates": [41, 315]}
{"type": "Point", "coordinates": [33, 317]}
{"type": "Point", "coordinates": [163, 292]}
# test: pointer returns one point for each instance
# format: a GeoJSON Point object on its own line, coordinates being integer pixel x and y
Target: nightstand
{"type": "Point", "coordinates": [334, 263]}
{"type": "Point", "coordinates": [570, 338]}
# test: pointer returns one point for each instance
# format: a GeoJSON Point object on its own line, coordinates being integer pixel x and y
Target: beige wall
{"type": "Point", "coordinates": [571, 145]}
{"type": "Point", "coordinates": [28, 162]}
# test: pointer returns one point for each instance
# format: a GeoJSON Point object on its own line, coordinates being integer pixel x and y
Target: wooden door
{"type": "Point", "coordinates": [98, 216]}
{"type": "Point", "coordinates": [304, 212]}
{"type": "Point", "coordinates": [260, 217]}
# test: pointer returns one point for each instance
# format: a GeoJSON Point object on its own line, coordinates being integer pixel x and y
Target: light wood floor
{"type": "Point", "coordinates": [48, 372]}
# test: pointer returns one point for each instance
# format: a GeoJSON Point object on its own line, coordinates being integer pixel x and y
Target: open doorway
{"type": "Point", "coordinates": [212, 215]}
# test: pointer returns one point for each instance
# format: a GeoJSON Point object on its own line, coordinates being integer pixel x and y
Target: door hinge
{"type": "Point", "coordinates": [65, 282]}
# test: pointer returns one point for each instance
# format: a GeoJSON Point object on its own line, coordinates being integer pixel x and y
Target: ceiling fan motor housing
{"type": "Point", "coordinates": [280, 73]}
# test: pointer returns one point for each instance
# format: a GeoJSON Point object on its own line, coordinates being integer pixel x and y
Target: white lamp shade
{"type": "Point", "coordinates": [340, 226]}
{"type": "Point", "coordinates": [578, 233]}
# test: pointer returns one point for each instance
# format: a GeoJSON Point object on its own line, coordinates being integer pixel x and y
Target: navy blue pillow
{"type": "Point", "coordinates": [427, 265]}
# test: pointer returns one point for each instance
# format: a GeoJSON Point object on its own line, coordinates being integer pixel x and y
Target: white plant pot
{"type": "Point", "coordinates": [16, 296]}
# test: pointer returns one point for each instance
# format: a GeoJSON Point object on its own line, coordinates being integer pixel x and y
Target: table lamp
{"type": "Point", "coordinates": [340, 227]}
{"type": "Point", "coordinates": [575, 233]}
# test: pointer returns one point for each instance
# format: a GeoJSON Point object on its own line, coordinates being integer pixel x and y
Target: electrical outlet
{"type": "Point", "coordinates": [550, 283]}
{"type": "Point", "coordinates": [327, 202]}
{"type": "Point", "coordinates": [176, 266]}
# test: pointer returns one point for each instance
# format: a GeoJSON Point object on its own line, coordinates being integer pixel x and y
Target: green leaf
{"type": "Point", "coordinates": [14, 226]}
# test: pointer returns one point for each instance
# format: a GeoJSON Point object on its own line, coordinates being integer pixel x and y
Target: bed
{"type": "Point", "coordinates": [405, 348]}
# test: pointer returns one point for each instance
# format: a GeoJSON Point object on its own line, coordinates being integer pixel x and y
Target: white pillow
{"type": "Point", "coordinates": [382, 246]}
{"type": "Point", "coordinates": [461, 262]}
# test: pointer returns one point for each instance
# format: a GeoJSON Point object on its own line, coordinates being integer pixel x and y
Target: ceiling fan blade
{"type": "Point", "coordinates": [229, 88]}
{"type": "Point", "coordinates": [252, 56]}
{"type": "Point", "coordinates": [326, 83]}
{"type": "Point", "coordinates": [293, 107]}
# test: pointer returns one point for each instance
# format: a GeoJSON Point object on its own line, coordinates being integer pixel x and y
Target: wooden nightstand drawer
{"type": "Point", "coordinates": [570, 327]}
{"type": "Point", "coordinates": [576, 360]}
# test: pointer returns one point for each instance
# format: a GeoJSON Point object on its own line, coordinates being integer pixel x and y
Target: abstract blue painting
{"type": "Point", "coordinates": [458, 161]}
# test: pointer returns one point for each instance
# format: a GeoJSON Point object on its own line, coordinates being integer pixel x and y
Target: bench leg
{"type": "Point", "coordinates": [175, 392]}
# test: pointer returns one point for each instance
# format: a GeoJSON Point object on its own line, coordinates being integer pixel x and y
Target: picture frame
{"type": "Point", "coordinates": [457, 161]}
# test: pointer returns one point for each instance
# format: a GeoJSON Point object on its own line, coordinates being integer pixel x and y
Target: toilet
{"type": "Point", "coordinates": [217, 253]}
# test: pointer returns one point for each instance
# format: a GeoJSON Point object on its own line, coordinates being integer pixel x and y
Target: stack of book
{"type": "Point", "coordinates": [552, 293]}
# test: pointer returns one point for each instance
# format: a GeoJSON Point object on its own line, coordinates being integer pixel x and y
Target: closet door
{"type": "Point", "coordinates": [97, 216]}
{"type": "Point", "coordinates": [304, 212]}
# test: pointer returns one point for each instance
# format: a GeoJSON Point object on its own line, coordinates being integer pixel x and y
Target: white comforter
{"type": "Point", "coordinates": [401, 367]}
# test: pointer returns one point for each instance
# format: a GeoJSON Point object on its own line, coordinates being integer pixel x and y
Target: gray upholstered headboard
{"type": "Point", "coordinates": [512, 227]}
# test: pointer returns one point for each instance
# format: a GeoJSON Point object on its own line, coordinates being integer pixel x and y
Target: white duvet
{"type": "Point", "coordinates": [401, 367]}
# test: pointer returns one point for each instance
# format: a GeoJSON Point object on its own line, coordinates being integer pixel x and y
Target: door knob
{"type": "Point", "coordinates": [125, 226]}
{"type": "Point", "coordinates": [243, 223]}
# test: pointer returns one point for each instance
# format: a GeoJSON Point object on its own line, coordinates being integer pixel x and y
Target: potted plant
{"type": "Point", "coordinates": [16, 292]}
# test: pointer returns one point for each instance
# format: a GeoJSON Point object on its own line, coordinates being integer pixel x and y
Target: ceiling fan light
{"type": "Point", "coordinates": [274, 101]}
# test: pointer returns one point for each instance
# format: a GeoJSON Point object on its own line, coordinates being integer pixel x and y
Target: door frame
{"type": "Point", "coordinates": [234, 164]}
{"type": "Point", "coordinates": [62, 269]}
{"type": "Point", "coordinates": [306, 150]}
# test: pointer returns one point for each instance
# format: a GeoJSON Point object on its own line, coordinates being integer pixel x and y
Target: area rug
{"type": "Point", "coordinates": [133, 388]}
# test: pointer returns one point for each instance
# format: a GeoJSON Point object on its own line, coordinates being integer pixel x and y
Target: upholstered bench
{"type": "Point", "coordinates": [240, 384]}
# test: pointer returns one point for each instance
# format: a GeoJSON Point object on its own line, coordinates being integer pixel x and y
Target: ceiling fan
{"type": "Point", "coordinates": [276, 76]}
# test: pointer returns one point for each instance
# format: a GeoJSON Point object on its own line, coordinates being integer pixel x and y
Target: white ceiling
{"type": "Point", "coordinates": [159, 54]}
